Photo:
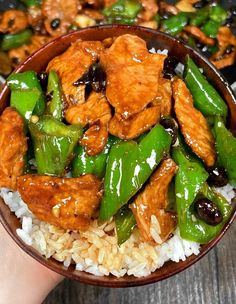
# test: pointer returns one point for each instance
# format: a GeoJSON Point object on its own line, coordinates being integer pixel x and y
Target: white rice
{"type": "Point", "coordinates": [96, 250]}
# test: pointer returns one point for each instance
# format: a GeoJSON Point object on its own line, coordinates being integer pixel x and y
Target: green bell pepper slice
{"type": "Point", "coordinates": [30, 3]}
{"type": "Point", "coordinates": [26, 94]}
{"type": "Point", "coordinates": [190, 182]}
{"type": "Point", "coordinates": [218, 14]}
{"type": "Point", "coordinates": [55, 105]}
{"type": "Point", "coordinates": [85, 164]}
{"type": "Point", "coordinates": [12, 41]}
{"type": "Point", "coordinates": [125, 223]}
{"type": "Point", "coordinates": [175, 24]}
{"type": "Point", "coordinates": [122, 11]}
{"type": "Point", "coordinates": [211, 28]}
{"type": "Point", "coordinates": [54, 144]}
{"type": "Point", "coordinates": [226, 149]}
{"type": "Point", "coordinates": [129, 166]}
{"type": "Point", "coordinates": [199, 17]}
{"type": "Point", "coordinates": [206, 98]}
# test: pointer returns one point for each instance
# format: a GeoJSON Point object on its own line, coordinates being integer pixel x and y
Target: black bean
{"type": "Point", "coordinates": [217, 176]}
{"type": "Point", "coordinates": [55, 23]}
{"type": "Point", "coordinates": [94, 77]}
{"type": "Point", "coordinates": [198, 4]}
{"type": "Point", "coordinates": [207, 211]}
{"type": "Point", "coordinates": [229, 49]}
{"type": "Point", "coordinates": [49, 96]}
{"type": "Point", "coordinates": [43, 79]}
{"type": "Point", "coordinates": [171, 127]}
{"type": "Point", "coordinates": [170, 64]}
{"type": "Point", "coordinates": [233, 10]}
{"type": "Point", "coordinates": [228, 21]}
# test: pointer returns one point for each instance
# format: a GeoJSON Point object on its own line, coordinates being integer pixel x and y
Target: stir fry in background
{"type": "Point", "coordinates": [28, 24]}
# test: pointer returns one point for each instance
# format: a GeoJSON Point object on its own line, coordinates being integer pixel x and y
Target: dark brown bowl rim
{"type": "Point", "coordinates": [109, 281]}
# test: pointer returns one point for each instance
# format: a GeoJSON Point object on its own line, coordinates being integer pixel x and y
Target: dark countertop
{"type": "Point", "coordinates": [212, 280]}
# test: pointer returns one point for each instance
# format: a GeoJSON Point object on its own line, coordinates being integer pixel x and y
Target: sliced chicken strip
{"type": "Point", "coordinates": [13, 147]}
{"type": "Point", "coordinates": [150, 9]}
{"type": "Point", "coordinates": [193, 124]}
{"type": "Point", "coordinates": [153, 201]}
{"type": "Point", "coordinates": [72, 64]}
{"type": "Point", "coordinates": [69, 203]}
{"type": "Point", "coordinates": [13, 21]}
{"type": "Point", "coordinates": [132, 74]}
{"type": "Point", "coordinates": [164, 97]}
{"type": "Point", "coordinates": [135, 125]}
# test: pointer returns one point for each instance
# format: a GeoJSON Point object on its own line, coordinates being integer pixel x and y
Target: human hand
{"type": "Point", "coordinates": [23, 279]}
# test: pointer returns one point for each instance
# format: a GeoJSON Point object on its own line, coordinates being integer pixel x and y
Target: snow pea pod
{"type": "Point", "coordinates": [129, 165]}
{"type": "Point", "coordinates": [190, 183]}
{"type": "Point", "coordinates": [226, 149]}
{"type": "Point", "coordinates": [26, 94]}
{"type": "Point", "coordinates": [125, 223]}
{"type": "Point", "coordinates": [55, 105]}
{"type": "Point", "coordinates": [85, 164]}
{"type": "Point", "coordinates": [53, 144]}
{"type": "Point", "coordinates": [206, 98]}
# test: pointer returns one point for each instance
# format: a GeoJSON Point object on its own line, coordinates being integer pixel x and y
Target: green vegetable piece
{"type": "Point", "coordinates": [218, 14]}
{"type": "Point", "coordinates": [129, 165]}
{"type": "Point", "coordinates": [175, 24]}
{"type": "Point", "coordinates": [123, 11]}
{"type": "Point", "coordinates": [210, 28]}
{"type": "Point", "coordinates": [30, 3]}
{"type": "Point", "coordinates": [226, 149]}
{"type": "Point", "coordinates": [55, 106]}
{"type": "Point", "coordinates": [206, 98]}
{"type": "Point", "coordinates": [53, 144]}
{"type": "Point", "coordinates": [26, 94]}
{"type": "Point", "coordinates": [189, 183]}
{"type": "Point", "coordinates": [12, 41]}
{"type": "Point", "coordinates": [84, 164]}
{"type": "Point", "coordinates": [125, 223]}
{"type": "Point", "coordinates": [200, 16]}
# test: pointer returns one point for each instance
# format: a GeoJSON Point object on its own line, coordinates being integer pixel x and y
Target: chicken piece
{"type": "Point", "coordinates": [193, 124]}
{"type": "Point", "coordinates": [153, 201]}
{"type": "Point", "coordinates": [199, 35]}
{"type": "Point", "coordinates": [62, 11]}
{"type": "Point", "coordinates": [19, 54]}
{"type": "Point", "coordinates": [95, 108]}
{"type": "Point", "coordinates": [35, 19]}
{"type": "Point", "coordinates": [149, 24]}
{"type": "Point", "coordinates": [94, 14]}
{"type": "Point", "coordinates": [95, 138]}
{"type": "Point", "coordinates": [225, 39]}
{"type": "Point", "coordinates": [150, 9]}
{"type": "Point", "coordinates": [186, 5]}
{"type": "Point", "coordinates": [108, 3]}
{"type": "Point", "coordinates": [13, 147]}
{"type": "Point", "coordinates": [168, 8]}
{"type": "Point", "coordinates": [135, 125]}
{"type": "Point", "coordinates": [69, 203]}
{"type": "Point", "coordinates": [132, 74]}
{"type": "Point", "coordinates": [164, 97]}
{"type": "Point", "coordinates": [72, 64]}
{"type": "Point", "coordinates": [13, 21]}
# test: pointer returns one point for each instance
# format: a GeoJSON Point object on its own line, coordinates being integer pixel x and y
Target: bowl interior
{"type": "Point", "coordinates": [158, 40]}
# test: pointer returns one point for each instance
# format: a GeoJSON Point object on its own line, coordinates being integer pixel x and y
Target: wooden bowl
{"type": "Point", "coordinates": [38, 62]}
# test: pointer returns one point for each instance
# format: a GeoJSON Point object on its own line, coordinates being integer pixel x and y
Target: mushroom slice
{"type": "Point", "coordinates": [132, 74]}
{"type": "Point", "coordinates": [71, 65]}
{"type": "Point", "coordinates": [149, 206]}
{"type": "Point", "coordinates": [69, 203]}
{"type": "Point", "coordinates": [62, 11]}
{"type": "Point", "coordinates": [193, 124]}
{"type": "Point", "coordinates": [135, 125]}
{"type": "Point", "coordinates": [13, 147]}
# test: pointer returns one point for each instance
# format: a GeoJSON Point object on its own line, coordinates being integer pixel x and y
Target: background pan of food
{"type": "Point", "coordinates": [158, 41]}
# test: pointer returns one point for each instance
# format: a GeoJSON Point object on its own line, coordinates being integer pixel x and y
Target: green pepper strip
{"type": "Point", "coordinates": [55, 106]}
{"type": "Point", "coordinates": [122, 11]}
{"type": "Point", "coordinates": [210, 28]}
{"type": "Point", "coordinates": [54, 144]}
{"type": "Point", "coordinates": [189, 182]}
{"type": "Point", "coordinates": [129, 165]}
{"type": "Point", "coordinates": [125, 223]}
{"type": "Point", "coordinates": [175, 24]}
{"type": "Point", "coordinates": [218, 13]}
{"type": "Point", "coordinates": [200, 16]}
{"type": "Point", "coordinates": [226, 149]}
{"type": "Point", "coordinates": [26, 94]}
{"type": "Point", "coordinates": [84, 164]}
{"type": "Point", "coordinates": [206, 98]}
{"type": "Point", "coordinates": [12, 41]}
{"type": "Point", "coordinates": [30, 3]}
